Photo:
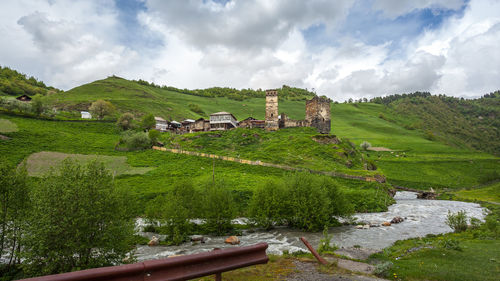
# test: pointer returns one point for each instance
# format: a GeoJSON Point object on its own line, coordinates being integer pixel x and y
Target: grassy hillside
{"type": "Point", "coordinates": [415, 161]}
{"type": "Point", "coordinates": [14, 83]}
{"type": "Point", "coordinates": [296, 147]}
{"type": "Point", "coordinates": [132, 96]}
{"type": "Point", "coordinates": [85, 138]}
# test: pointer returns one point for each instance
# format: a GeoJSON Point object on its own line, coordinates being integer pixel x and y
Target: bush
{"type": "Point", "coordinates": [365, 145]}
{"type": "Point", "coordinates": [101, 108]}
{"type": "Point", "coordinates": [325, 242]}
{"type": "Point", "coordinates": [382, 269]}
{"type": "Point", "coordinates": [79, 220]}
{"type": "Point", "coordinates": [154, 135]}
{"type": "Point", "coordinates": [125, 121]}
{"type": "Point", "coordinates": [430, 135]}
{"type": "Point", "coordinates": [270, 205]}
{"type": "Point", "coordinates": [135, 140]}
{"type": "Point", "coordinates": [458, 221]}
{"type": "Point", "coordinates": [196, 109]}
{"type": "Point", "coordinates": [174, 210]}
{"type": "Point", "coordinates": [148, 121]}
{"type": "Point", "coordinates": [218, 208]}
{"type": "Point", "coordinates": [450, 244]}
{"type": "Point", "coordinates": [309, 202]}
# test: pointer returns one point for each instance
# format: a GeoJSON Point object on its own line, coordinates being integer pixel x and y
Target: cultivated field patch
{"type": "Point", "coordinates": [7, 126]}
{"type": "Point", "coordinates": [41, 163]}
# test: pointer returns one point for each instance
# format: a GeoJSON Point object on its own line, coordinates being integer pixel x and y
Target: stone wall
{"type": "Point", "coordinates": [318, 114]}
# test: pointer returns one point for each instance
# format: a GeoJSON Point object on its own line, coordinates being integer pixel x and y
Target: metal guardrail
{"type": "Point", "coordinates": [176, 268]}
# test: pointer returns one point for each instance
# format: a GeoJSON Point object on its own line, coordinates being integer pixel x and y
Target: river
{"type": "Point", "coordinates": [422, 217]}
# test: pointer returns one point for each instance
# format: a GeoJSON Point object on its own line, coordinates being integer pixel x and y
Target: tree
{"type": "Point", "coordinates": [14, 204]}
{"type": "Point", "coordinates": [148, 121]}
{"type": "Point", "coordinates": [37, 104]}
{"type": "Point", "coordinates": [174, 210]}
{"type": "Point", "coordinates": [270, 205]}
{"type": "Point", "coordinates": [125, 121]}
{"type": "Point", "coordinates": [154, 135]}
{"type": "Point", "coordinates": [218, 208]}
{"type": "Point", "coordinates": [101, 108]}
{"type": "Point", "coordinates": [365, 145]}
{"type": "Point", "coordinates": [79, 220]}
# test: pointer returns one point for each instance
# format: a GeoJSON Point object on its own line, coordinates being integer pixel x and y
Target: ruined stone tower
{"type": "Point", "coordinates": [272, 110]}
{"type": "Point", "coordinates": [318, 114]}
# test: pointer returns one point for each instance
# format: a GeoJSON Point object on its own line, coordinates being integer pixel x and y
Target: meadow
{"type": "Point", "coordinates": [90, 139]}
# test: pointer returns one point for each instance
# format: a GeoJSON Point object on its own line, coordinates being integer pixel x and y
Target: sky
{"type": "Point", "coordinates": [342, 49]}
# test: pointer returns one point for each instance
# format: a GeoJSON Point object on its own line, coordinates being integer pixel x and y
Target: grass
{"type": "Point", "coordinates": [425, 259]}
{"type": "Point", "coordinates": [40, 163]}
{"type": "Point", "coordinates": [291, 147]}
{"type": "Point", "coordinates": [7, 126]}
{"type": "Point", "coordinates": [87, 139]}
{"type": "Point", "coordinates": [171, 105]}
{"type": "Point", "coordinates": [278, 268]}
{"type": "Point", "coordinates": [488, 193]}
{"type": "Point", "coordinates": [415, 162]}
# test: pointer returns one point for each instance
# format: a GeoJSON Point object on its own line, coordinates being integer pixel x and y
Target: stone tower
{"type": "Point", "coordinates": [318, 114]}
{"type": "Point", "coordinates": [272, 110]}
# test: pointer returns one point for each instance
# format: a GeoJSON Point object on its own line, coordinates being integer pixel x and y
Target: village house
{"type": "Point", "coordinates": [25, 98]}
{"type": "Point", "coordinates": [222, 121]}
{"type": "Point", "coordinates": [200, 125]}
{"type": "Point", "coordinates": [161, 124]}
{"type": "Point", "coordinates": [251, 122]}
{"type": "Point", "coordinates": [86, 115]}
{"type": "Point", "coordinates": [186, 125]}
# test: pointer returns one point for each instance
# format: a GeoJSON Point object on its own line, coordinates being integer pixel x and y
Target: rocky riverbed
{"type": "Point", "coordinates": [421, 217]}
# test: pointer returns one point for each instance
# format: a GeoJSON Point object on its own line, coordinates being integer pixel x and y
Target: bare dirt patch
{"type": "Point", "coordinates": [7, 126]}
{"type": "Point", "coordinates": [379, 148]}
{"type": "Point", "coordinates": [41, 163]}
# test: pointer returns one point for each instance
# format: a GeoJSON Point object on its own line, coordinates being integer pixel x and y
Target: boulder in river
{"type": "Point", "coordinates": [233, 240]}
{"type": "Point", "coordinates": [366, 226]}
{"type": "Point", "coordinates": [154, 241]}
{"type": "Point", "coordinates": [198, 238]}
{"type": "Point", "coordinates": [386, 223]}
{"type": "Point", "coordinates": [397, 220]}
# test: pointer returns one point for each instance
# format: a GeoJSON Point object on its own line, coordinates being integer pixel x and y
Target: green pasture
{"type": "Point", "coordinates": [7, 126]}
{"type": "Point", "coordinates": [129, 96]}
{"type": "Point", "coordinates": [40, 163]}
{"type": "Point", "coordinates": [147, 174]}
{"type": "Point", "coordinates": [415, 161]}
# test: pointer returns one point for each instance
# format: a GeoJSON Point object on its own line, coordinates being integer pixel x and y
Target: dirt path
{"type": "Point", "coordinates": [260, 163]}
{"type": "Point", "coordinates": [308, 270]}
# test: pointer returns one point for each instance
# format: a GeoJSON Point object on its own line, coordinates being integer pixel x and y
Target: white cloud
{"type": "Point", "coordinates": [258, 44]}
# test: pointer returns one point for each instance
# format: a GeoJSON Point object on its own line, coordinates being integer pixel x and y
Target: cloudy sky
{"type": "Point", "coordinates": [342, 49]}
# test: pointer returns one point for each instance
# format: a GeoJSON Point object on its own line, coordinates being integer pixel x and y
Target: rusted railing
{"type": "Point", "coordinates": [176, 268]}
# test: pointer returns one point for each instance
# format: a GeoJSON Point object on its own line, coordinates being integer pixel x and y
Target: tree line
{"type": "Point", "coordinates": [71, 219]}
{"type": "Point", "coordinates": [15, 83]}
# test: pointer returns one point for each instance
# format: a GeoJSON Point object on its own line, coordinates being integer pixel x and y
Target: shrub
{"type": "Point", "coordinates": [174, 210]}
{"type": "Point", "coordinates": [310, 203]}
{"type": "Point", "coordinates": [325, 242]}
{"type": "Point", "coordinates": [270, 205]}
{"type": "Point", "coordinates": [382, 269]}
{"type": "Point", "coordinates": [365, 145]}
{"type": "Point", "coordinates": [101, 108]}
{"type": "Point", "coordinates": [148, 121]}
{"type": "Point", "coordinates": [125, 121]}
{"type": "Point", "coordinates": [450, 244]}
{"type": "Point", "coordinates": [135, 140]}
{"type": "Point", "coordinates": [154, 135]}
{"type": "Point", "coordinates": [430, 135]}
{"type": "Point", "coordinates": [37, 105]}
{"type": "Point", "coordinates": [196, 109]}
{"type": "Point", "coordinates": [218, 208]}
{"type": "Point", "coordinates": [79, 220]}
{"type": "Point", "coordinates": [458, 221]}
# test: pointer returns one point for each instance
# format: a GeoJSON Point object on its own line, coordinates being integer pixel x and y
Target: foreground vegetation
{"type": "Point", "coordinates": [472, 252]}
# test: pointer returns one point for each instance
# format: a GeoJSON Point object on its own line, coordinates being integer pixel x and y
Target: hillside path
{"type": "Point", "coordinates": [265, 164]}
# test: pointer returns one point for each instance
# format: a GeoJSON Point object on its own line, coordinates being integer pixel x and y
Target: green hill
{"type": "Point", "coordinates": [174, 104]}
{"type": "Point", "coordinates": [13, 83]}
{"type": "Point", "coordinates": [420, 141]}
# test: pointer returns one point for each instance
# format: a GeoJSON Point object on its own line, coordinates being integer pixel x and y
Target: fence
{"type": "Point", "coordinates": [176, 268]}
